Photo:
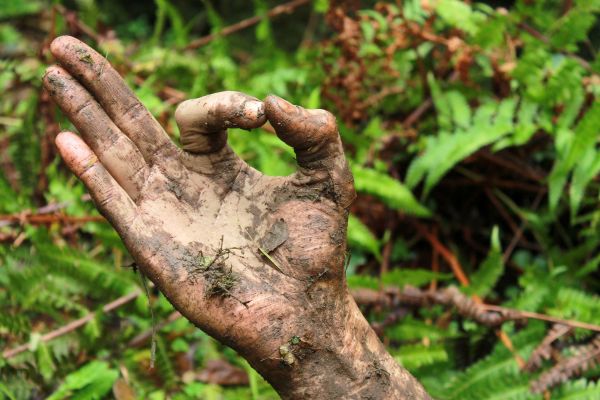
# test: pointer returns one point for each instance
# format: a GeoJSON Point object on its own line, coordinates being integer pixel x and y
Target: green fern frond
{"type": "Point", "coordinates": [460, 134]}
{"type": "Point", "coordinates": [572, 303]}
{"type": "Point", "coordinates": [400, 277]}
{"type": "Point", "coordinates": [414, 356]}
{"type": "Point", "coordinates": [572, 147]}
{"type": "Point", "coordinates": [581, 389]}
{"type": "Point", "coordinates": [391, 191]}
{"type": "Point", "coordinates": [14, 323]}
{"type": "Point", "coordinates": [361, 237]}
{"type": "Point", "coordinates": [497, 372]}
{"type": "Point", "coordinates": [362, 281]}
{"type": "Point", "coordinates": [64, 347]}
{"type": "Point", "coordinates": [99, 279]}
{"type": "Point", "coordinates": [164, 364]}
{"type": "Point", "coordinates": [485, 278]}
{"type": "Point", "coordinates": [45, 300]}
{"type": "Point", "coordinates": [90, 382]}
{"type": "Point", "coordinates": [572, 27]}
{"type": "Point", "coordinates": [410, 329]}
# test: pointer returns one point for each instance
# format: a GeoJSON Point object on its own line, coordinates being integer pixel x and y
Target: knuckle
{"type": "Point", "coordinates": [106, 198]}
{"type": "Point", "coordinates": [83, 106]}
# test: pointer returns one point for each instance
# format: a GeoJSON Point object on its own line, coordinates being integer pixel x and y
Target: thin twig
{"type": "Point", "coordinates": [153, 318]}
{"type": "Point", "coordinates": [147, 334]}
{"type": "Point", "coordinates": [71, 17]}
{"type": "Point", "coordinates": [446, 254]}
{"type": "Point", "coordinates": [45, 219]}
{"type": "Point", "coordinates": [517, 237]}
{"type": "Point", "coordinates": [543, 317]}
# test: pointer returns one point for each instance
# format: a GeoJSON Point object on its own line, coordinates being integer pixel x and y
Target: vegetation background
{"type": "Point", "coordinates": [472, 130]}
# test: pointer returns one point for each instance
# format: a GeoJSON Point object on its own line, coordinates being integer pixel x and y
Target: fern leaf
{"type": "Point", "coordinates": [585, 170]}
{"type": "Point", "coordinates": [45, 364]}
{"type": "Point", "coordinates": [572, 28]}
{"type": "Point", "coordinates": [571, 149]}
{"type": "Point", "coordinates": [17, 324]}
{"type": "Point", "coordinates": [459, 14]}
{"type": "Point", "coordinates": [401, 277]}
{"type": "Point", "coordinates": [485, 278]}
{"type": "Point", "coordinates": [491, 122]}
{"type": "Point", "coordinates": [389, 190]}
{"type": "Point", "coordinates": [578, 390]}
{"type": "Point", "coordinates": [99, 279]}
{"type": "Point", "coordinates": [6, 392]}
{"type": "Point", "coordinates": [493, 374]}
{"type": "Point", "coordinates": [411, 329]}
{"type": "Point", "coordinates": [359, 236]}
{"type": "Point", "coordinates": [575, 304]}
{"type": "Point", "coordinates": [164, 364]}
{"type": "Point", "coordinates": [362, 281]}
{"type": "Point", "coordinates": [418, 355]}
{"type": "Point", "coordinates": [92, 381]}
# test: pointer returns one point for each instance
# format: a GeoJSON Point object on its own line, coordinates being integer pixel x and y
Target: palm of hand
{"type": "Point", "coordinates": [237, 252]}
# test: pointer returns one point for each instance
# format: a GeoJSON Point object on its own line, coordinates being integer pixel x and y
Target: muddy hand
{"type": "Point", "coordinates": [253, 260]}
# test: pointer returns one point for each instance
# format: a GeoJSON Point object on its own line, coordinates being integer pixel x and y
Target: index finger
{"type": "Point", "coordinates": [106, 85]}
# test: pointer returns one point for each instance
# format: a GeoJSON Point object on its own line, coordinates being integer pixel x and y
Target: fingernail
{"type": "Point", "coordinates": [283, 105]}
{"type": "Point", "coordinates": [253, 110]}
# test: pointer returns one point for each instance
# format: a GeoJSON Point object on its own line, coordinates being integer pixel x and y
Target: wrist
{"type": "Point", "coordinates": [344, 359]}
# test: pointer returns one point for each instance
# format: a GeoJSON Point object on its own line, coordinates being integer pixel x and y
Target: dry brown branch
{"type": "Point", "coordinates": [246, 23]}
{"type": "Point", "coordinates": [544, 350]}
{"type": "Point", "coordinates": [72, 19]}
{"type": "Point", "coordinates": [586, 357]}
{"type": "Point", "coordinates": [485, 314]}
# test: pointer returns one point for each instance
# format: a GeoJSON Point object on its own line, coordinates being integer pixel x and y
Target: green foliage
{"type": "Point", "coordinates": [91, 382]}
{"type": "Point", "coordinates": [15, 8]}
{"type": "Point", "coordinates": [460, 135]}
{"type": "Point", "coordinates": [6, 392]}
{"type": "Point", "coordinates": [497, 375]}
{"type": "Point", "coordinates": [485, 278]}
{"type": "Point", "coordinates": [418, 355]}
{"type": "Point", "coordinates": [460, 15]}
{"type": "Point", "coordinates": [490, 114]}
{"type": "Point", "coordinates": [575, 304]}
{"type": "Point", "coordinates": [360, 237]}
{"type": "Point", "coordinates": [577, 154]}
{"type": "Point", "coordinates": [578, 390]}
{"type": "Point", "coordinates": [391, 191]}
{"type": "Point", "coordinates": [411, 330]}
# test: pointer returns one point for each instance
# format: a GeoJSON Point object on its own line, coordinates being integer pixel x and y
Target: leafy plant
{"type": "Point", "coordinates": [472, 131]}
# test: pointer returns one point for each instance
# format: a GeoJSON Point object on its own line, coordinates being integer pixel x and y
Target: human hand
{"type": "Point", "coordinates": [256, 261]}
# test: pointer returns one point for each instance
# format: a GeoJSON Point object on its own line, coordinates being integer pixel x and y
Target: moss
{"type": "Point", "coordinates": [217, 273]}
{"type": "Point", "coordinates": [84, 56]}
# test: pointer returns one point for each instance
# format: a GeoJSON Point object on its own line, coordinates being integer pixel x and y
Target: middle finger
{"type": "Point", "coordinates": [115, 150]}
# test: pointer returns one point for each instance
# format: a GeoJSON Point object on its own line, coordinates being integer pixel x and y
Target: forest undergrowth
{"type": "Point", "coordinates": [472, 132]}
